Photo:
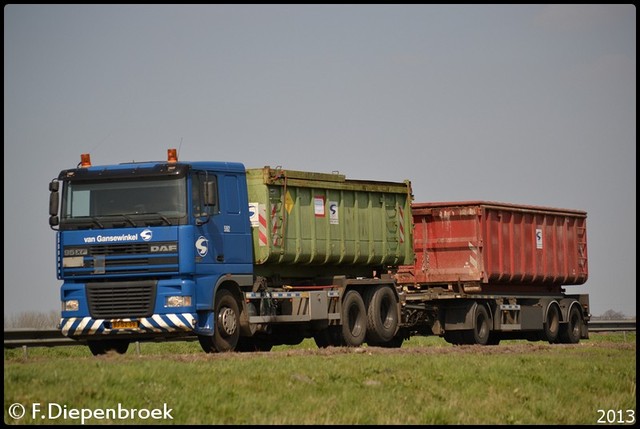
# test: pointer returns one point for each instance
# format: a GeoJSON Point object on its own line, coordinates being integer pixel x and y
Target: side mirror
{"type": "Point", "coordinates": [211, 194]}
{"type": "Point", "coordinates": [53, 204]}
{"type": "Point", "coordinates": [54, 201]}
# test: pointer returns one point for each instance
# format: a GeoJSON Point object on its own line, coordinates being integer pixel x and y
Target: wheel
{"type": "Point", "coordinates": [226, 327]}
{"type": "Point", "coordinates": [354, 319]}
{"type": "Point", "coordinates": [552, 324]}
{"type": "Point", "coordinates": [570, 332]}
{"type": "Point", "coordinates": [382, 315]}
{"type": "Point", "coordinates": [481, 331]}
{"type": "Point", "coordinates": [101, 347]}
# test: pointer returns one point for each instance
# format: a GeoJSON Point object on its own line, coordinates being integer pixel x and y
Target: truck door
{"type": "Point", "coordinates": [234, 219]}
{"type": "Point", "coordinates": [206, 210]}
{"type": "Point", "coordinates": [225, 238]}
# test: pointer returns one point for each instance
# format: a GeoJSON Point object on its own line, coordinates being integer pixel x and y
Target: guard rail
{"type": "Point", "coordinates": [14, 338]}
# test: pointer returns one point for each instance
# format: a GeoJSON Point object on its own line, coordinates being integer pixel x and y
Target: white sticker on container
{"type": "Point", "coordinates": [333, 213]}
{"type": "Point", "coordinates": [254, 215]}
{"type": "Point", "coordinates": [538, 238]}
{"type": "Point", "coordinates": [318, 206]}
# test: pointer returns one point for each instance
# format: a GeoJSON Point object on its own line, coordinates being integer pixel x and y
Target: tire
{"type": "Point", "coordinates": [102, 347]}
{"type": "Point", "coordinates": [481, 332]}
{"type": "Point", "coordinates": [382, 315]}
{"type": "Point", "coordinates": [226, 326]}
{"type": "Point", "coordinates": [552, 324]}
{"type": "Point", "coordinates": [354, 319]}
{"type": "Point", "coordinates": [571, 331]}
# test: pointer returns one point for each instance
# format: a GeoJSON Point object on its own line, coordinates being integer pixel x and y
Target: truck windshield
{"type": "Point", "coordinates": [121, 203]}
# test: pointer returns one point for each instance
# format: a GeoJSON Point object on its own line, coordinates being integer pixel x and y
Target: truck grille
{"type": "Point", "coordinates": [136, 258]}
{"type": "Point", "coordinates": [119, 249]}
{"type": "Point", "coordinates": [110, 300]}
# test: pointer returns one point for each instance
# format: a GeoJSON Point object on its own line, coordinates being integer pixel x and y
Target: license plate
{"type": "Point", "coordinates": [121, 324]}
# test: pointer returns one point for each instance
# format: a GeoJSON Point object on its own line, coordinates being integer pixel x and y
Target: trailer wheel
{"type": "Point", "coordinates": [552, 324]}
{"type": "Point", "coordinates": [481, 331]}
{"type": "Point", "coordinates": [382, 315]}
{"type": "Point", "coordinates": [354, 319]}
{"type": "Point", "coordinates": [226, 326]}
{"type": "Point", "coordinates": [101, 347]}
{"type": "Point", "coordinates": [570, 333]}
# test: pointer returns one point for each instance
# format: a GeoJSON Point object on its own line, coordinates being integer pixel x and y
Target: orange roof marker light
{"type": "Point", "coordinates": [172, 155]}
{"type": "Point", "coordinates": [85, 160]}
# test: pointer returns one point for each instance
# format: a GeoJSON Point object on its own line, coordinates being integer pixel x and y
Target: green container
{"type": "Point", "coordinates": [314, 224]}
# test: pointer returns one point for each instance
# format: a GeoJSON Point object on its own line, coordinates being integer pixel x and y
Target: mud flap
{"type": "Point", "coordinates": [459, 316]}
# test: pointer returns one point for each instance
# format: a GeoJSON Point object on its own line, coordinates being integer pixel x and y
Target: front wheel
{"type": "Point", "coordinates": [226, 326]}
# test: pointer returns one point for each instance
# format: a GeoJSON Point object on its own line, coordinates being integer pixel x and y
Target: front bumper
{"type": "Point", "coordinates": [79, 327]}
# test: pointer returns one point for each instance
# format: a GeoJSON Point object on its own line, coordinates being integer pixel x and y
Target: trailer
{"type": "Point", "coordinates": [486, 271]}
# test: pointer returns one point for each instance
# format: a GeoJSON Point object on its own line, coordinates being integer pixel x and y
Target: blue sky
{"type": "Point", "coordinates": [526, 104]}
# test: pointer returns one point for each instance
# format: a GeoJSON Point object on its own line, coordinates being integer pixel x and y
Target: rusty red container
{"type": "Point", "coordinates": [489, 243]}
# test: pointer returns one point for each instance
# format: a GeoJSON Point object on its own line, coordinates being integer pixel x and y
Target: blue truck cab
{"type": "Point", "coordinates": [142, 248]}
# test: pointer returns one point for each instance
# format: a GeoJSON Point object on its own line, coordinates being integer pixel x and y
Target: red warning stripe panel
{"type": "Point", "coordinates": [401, 223]}
{"type": "Point", "coordinates": [262, 228]}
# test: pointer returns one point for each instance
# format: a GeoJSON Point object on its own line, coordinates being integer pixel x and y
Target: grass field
{"type": "Point", "coordinates": [427, 381]}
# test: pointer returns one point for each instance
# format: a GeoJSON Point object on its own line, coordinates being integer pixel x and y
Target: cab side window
{"type": "Point", "coordinates": [204, 194]}
{"type": "Point", "coordinates": [196, 195]}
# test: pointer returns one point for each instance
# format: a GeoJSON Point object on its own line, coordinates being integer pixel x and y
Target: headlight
{"type": "Point", "coordinates": [71, 305]}
{"type": "Point", "coordinates": [177, 301]}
